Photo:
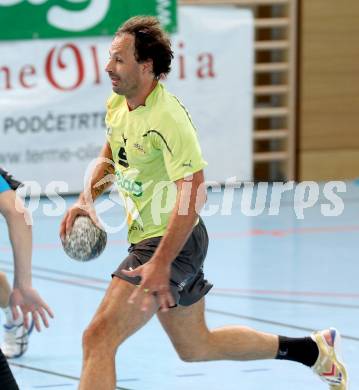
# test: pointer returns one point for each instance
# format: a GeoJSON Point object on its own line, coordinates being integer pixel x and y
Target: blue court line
{"type": "Point", "coordinates": [232, 293]}
{"type": "Point", "coordinates": [277, 323]}
{"type": "Point", "coordinates": [300, 293]}
{"type": "Point", "coordinates": [255, 370]}
{"type": "Point", "coordinates": [82, 282]}
{"type": "Point", "coordinates": [291, 301]}
{"type": "Point", "coordinates": [255, 319]}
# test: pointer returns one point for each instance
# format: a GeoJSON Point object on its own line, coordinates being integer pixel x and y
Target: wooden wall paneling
{"type": "Point", "coordinates": [329, 90]}
{"type": "Point", "coordinates": [274, 85]}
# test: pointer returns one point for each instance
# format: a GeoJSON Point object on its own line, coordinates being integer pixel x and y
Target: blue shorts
{"type": "Point", "coordinates": [4, 185]}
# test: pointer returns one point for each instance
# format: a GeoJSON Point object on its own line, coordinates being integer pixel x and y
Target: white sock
{"type": "Point", "coordinates": [9, 318]}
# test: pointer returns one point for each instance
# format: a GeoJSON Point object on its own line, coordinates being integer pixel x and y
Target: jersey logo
{"type": "Point", "coordinates": [189, 164]}
{"type": "Point", "coordinates": [139, 147]}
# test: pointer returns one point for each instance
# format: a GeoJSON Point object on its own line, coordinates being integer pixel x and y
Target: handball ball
{"type": "Point", "coordinates": [86, 241]}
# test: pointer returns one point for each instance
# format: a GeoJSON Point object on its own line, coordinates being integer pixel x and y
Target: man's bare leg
{"type": "Point", "coordinates": [114, 321]}
{"type": "Point", "coordinates": [5, 291]}
{"type": "Point", "coordinates": [193, 341]}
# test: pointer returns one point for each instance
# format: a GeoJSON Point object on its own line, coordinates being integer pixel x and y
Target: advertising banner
{"type": "Point", "coordinates": [28, 19]}
{"type": "Point", "coordinates": [53, 94]}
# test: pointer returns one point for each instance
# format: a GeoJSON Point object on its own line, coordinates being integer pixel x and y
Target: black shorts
{"type": "Point", "coordinates": [187, 282]}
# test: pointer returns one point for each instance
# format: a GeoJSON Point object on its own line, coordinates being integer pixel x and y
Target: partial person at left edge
{"type": "Point", "coordinates": [22, 295]}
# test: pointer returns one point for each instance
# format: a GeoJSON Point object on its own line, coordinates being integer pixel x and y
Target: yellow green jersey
{"type": "Point", "coordinates": [152, 147]}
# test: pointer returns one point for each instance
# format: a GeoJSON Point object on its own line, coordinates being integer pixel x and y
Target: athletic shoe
{"type": "Point", "coordinates": [16, 339]}
{"type": "Point", "coordinates": [329, 365]}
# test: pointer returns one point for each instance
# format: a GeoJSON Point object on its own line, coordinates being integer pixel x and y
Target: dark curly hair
{"type": "Point", "coordinates": [151, 43]}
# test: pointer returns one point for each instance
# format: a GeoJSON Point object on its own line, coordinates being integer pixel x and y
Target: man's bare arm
{"type": "Point", "coordinates": [191, 197]}
{"type": "Point", "coordinates": [103, 168]}
{"type": "Point", "coordinates": [95, 187]}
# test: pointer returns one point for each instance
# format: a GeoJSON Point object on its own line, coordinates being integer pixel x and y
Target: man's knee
{"type": "Point", "coordinates": [95, 333]}
{"type": "Point", "coordinates": [194, 352]}
{"type": "Point", "coordinates": [99, 335]}
{"type": "Point", "coordinates": [191, 356]}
